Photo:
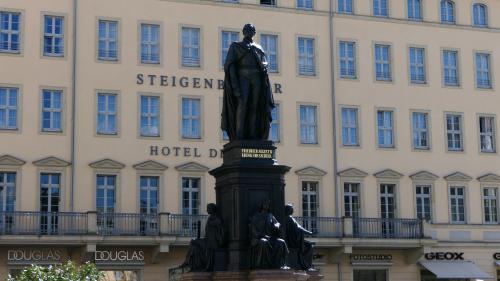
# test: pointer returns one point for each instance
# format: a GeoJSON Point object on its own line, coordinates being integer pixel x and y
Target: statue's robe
{"type": "Point", "coordinates": [294, 235]}
{"type": "Point", "coordinates": [268, 250]}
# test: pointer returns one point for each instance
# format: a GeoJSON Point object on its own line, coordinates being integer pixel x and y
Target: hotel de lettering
{"type": "Point", "coordinates": [387, 112]}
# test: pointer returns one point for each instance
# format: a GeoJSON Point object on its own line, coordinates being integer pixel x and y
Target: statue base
{"type": "Point", "coordinates": [255, 275]}
{"type": "Point", "coordinates": [249, 175]}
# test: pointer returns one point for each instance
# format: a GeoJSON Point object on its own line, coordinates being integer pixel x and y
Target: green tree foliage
{"type": "Point", "coordinates": [62, 272]}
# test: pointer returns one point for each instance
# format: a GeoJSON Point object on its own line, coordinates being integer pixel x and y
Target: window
{"type": "Point", "coordinates": [383, 70]}
{"type": "Point", "coordinates": [454, 132]}
{"type": "Point", "coordinates": [350, 126]}
{"type": "Point", "coordinates": [51, 111]}
{"type": "Point", "coordinates": [450, 68]}
{"type": "Point", "coordinates": [380, 8]}
{"type": "Point", "coordinates": [9, 107]}
{"type": "Point", "coordinates": [490, 205]}
{"type": "Point", "coordinates": [487, 134]}
{"type": "Point", "coordinates": [150, 116]}
{"type": "Point", "coordinates": [105, 195]}
{"type": "Point", "coordinates": [415, 9]}
{"type": "Point", "coordinates": [150, 43]}
{"type": "Point", "coordinates": [483, 75]}
{"type": "Point", "coordinates": [268, 2]}
{"type": "Point", "coordinates": [351, 200]}
{"type": "Point", "coordinates": [305, 4]}
{"type": "Point", "coordinates": [53, 39]}
{"type": "Point", "coordinates": [191, 118]}
{"type": "Point", "coordinates": [227, 37]}
{"type": "Point", "coordinates": [270, 45]}
{"type": "Point", "coordinates": [124, 275]}
{"type": "Point", "coordinates": [50, 197]}
{"type": "Point", "coordinates": [385, 128]}
{"type": "Point", "coordinates": [308, 124]}
{"type": "Point", "coordinates": [190, 196]}
{"type": "Point", "coordinates": [480, 15]}
{"type": "Point", "coordinates": [307, 60]}
{"type": "Point", "coordinates": [457, 204]}
{"type": "Point", "coordinates": [10, 32]}
{"type": "Point", "coordinates": [310, 204]}
{"type": "Point", "coordinates": [106, 114]}
{"type": "Point", "coordinates": [447, 11]}
{"type": "Point", "coordinates": [387, 209]}
{"type": "Point", "coordinates": [347, 59]}
{"type": "Point", "coordinates": [423, 198]}
{"type": "Point", "coordinates": [108, 40]}
{"type": "Point", "coordinates": [149, 202]}
{"type": "Point", "coordinates": [344, 6]}
{"type": "Point", "coordinates": [420, 127]}
{"type": "Point", "coordinates": [417, 65]}
{"type": "Point", "coordinates": [274, 131]}
{"type": "Point", "coordinates": [370, 275]}
{"type": "Point", "coordinates": [7, 191]}
{"type": "Point", "coordinates": [190, 47]}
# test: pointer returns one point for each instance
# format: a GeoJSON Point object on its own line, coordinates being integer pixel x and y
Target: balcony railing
{"type": "Point", "coordinates": [128, 224]}
{"type": "Point", "coordinates": [387, 228]}
{"type": "Point", "coordinates": [186, 225]}
{"type": "Point", "coordinates": [39, 223]}
{"type": "Point", "coordinates": [326, 227]}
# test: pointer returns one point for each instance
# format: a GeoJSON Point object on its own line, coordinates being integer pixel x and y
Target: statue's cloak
{"type": "Point", "coordinates": [230, 102]}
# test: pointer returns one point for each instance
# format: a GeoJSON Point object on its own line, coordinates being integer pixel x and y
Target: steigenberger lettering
{"type": "Point", "coordinates": [26, 256]}
{"type": "Point", "coordinates": [188, 82]}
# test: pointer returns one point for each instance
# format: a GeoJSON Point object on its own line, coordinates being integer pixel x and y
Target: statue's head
{"type": "Point", "coordinates": [288, 209]}
{"type": "Point", "coordinates": [266, 205]}
{"type": "Point", "coordinates": [249, 30]}
{"type": "Point", "coordinates": [211, 208]}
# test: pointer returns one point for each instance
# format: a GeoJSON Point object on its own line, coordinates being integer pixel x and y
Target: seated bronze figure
{"type": "Point", "coordinates": [301, 250]}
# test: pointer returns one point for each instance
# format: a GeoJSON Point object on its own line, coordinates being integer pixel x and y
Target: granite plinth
{"type": "Point", "coordinates": [254, 275]}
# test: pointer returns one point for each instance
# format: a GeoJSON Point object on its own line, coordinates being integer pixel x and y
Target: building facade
{"type": "Point", "coordinates": [109, 124]}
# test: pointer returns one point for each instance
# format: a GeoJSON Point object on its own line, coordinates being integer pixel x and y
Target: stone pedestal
{"type": "Point", "coordinates": [249, 175]}
{"type": "Point", "coordinates": [277, 275]}
{"type": "Point", "coordinates": [255, 275]}
{"type": "Point", "coordinates": [196, 276]}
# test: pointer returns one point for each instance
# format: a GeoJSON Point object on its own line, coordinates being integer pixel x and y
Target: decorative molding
{"type": "Point", "coordinates": [310, 171]}
{"type": "Point", "coordinates": [458, 176]}
{"type": "Point", "coordinates": [424, 176]}
{"type": "Point", "coordinates": [9, 160]}
{"type": "Point", "coordinates": [107, 164]}
{"type": "Point", "coordinates": [388, 174]}
{"type": "Point", "coordinates": [150, 165]}
{"type": "Point", "coordinates": [352, 173]}
{"type": "Point", "coordinates": [490, 177]}
{"type": "Point", "coordinates": [51, 162]}
{"type": "Point", "coordinates": [192, 167]}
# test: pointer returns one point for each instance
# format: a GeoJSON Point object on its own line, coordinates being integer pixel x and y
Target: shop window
{"type": "Point", "coordinates": [120, 275]}
{"type": "Point", "coordinates": [370, 275]}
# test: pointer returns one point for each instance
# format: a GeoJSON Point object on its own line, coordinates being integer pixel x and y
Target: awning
{"type": "Point", "coordinates": [455, 269]}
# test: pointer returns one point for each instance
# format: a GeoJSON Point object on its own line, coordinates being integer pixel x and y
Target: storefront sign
{"type": "Point", "coordinates": [188, 82]}
{"type": "Point", "coordinates": [35, 256]}
{"type": "Point", "coordinates": [188, 152]}
{"type": "Point", "coordinates": [444, 256]}
{"type": "Point", "coordinates": [119, 257]}
{"type": "Point", "coordinates": [496, 256]}
{"type": "Point", "coordinates": [372, 258]}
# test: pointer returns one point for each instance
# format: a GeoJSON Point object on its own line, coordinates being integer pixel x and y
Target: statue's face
{"type": "Point", "coordinates": [249, 30]}
{"type": "Point", "coordinates": [210, 209]}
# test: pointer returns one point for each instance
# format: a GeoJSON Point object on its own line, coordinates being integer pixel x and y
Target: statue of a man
{"type": "Point", "coordinates": [268, 250]}
{"type": "Point", "coordinates": [301, 249]}
{"type": "Point", "coordinates": [248, 100]}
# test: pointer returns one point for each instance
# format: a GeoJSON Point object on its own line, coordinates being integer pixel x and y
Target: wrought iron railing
{"type": "Point", "coordinates": [186, 225]}
{"type": "Point", "coordinates": [322, 226]}
{"type": "Point", "coordinates": [128, 224]}
{"type": "Point", "coordinates": [41, 223]}
{"type": "Point", "coordinates": [387, 228]}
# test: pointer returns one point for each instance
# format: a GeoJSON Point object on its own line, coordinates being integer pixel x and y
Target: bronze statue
{"type": "Point", "coordinates": [201, 253]}
{"type": "Point", "coordinates": [248, 100]}
{"type": "Point", "coordinates": [301, 250]}
{"type": "Point", "coordinates": [268, 250]}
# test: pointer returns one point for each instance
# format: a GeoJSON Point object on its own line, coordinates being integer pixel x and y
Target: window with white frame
{"type": "Point", "coordinates": [417, 65]}
{"type": "Point", "coordinates": [150, 43]}
{"type": "Point", "coordinates": [423, 202]}
{"type": "Point", "coordinates": [480, 15]}
{"type": "Point", "coordinates": [352, 204]}
{"type": "Point", "coordinates": [305, 4]}
{"type": "Point", "coordinates": [149, 199]}
{"type": "Point", "coordinates": [385, 128]}
{"type": "Point", "coordinates": [307, 59]}
{"type": "Point", "coordinates": [457, 204]}
{"type": "Point", "coordinates": [380, 8]}
{"type": "Point", "coordinates": [454, 132]}
{"type": "Point", "coordinates": [490, 199]}
{"type": "Point", "coordinates": [227, 37]}
{"type": "Point", "coordinates": [308, 124]}
{"type": "Point", "coordinates": [50, 198]}
{"type": "Point", "coordinates": [106, 114]}
{"type": "Point", "coordinates": [483, 75]}
{"type": "Point", "coordinates": [350, 130]}
{"type": "Point", "coordinates": [108, 40]}
{"type": "Point", "coordinates": [387, 201]}
{"type": "Point", "coordinates": [450, 68]}
{"type": "Point", "coordinates": [269, 44]}
{"type": "Point", "coordinates": [274, 130]}
{"type": "Point", "coordinates": [191, 195]}
{"type": "Point", "coordinates": [190, 47]}
{"type": "Point", "coordinates": [191, 118]}
{"type": "Point", "coordinates": [53, 38]}
{"type": "Point", "coordinates": [487, 134]}
{"type": "Point", "coordinates": [344, 6]}
{"type": "Point", "coordinates": [415, 9]}
{"type": "Point", "coordinates": [9, 107]}
{"type": "Point", "coordinates": [10, 32]}
{"type": "Point", "coordinates": [51, 110]}
{"type": "Point", "coordinates": [310, 204]}
{"type": "Point", "coordinates": [420, 127]}
{"type": "Point", "coordinates": [447, 11]}
{"type": "Point", "coordinates": [7, 191]}
{"type": "Point", "coordinates": [105, 194]}
{"type": "Point", "coordinates": [347, 59]}
{"type": "Point", "coordinates": [150, 116]}
{"type": "Point", "coordinates": [383, 71]}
